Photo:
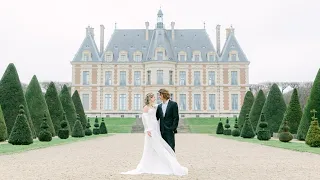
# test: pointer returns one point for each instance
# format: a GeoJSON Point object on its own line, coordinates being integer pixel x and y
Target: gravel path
{"type": "Point", "coordinates": [207, 157]}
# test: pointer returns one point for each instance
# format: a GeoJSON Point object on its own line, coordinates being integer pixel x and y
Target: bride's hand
{"type": "Point", "coordinates": [149, 133]}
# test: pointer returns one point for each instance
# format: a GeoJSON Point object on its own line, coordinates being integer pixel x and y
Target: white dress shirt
{"type": "Point", "coordinates": [164, 107]}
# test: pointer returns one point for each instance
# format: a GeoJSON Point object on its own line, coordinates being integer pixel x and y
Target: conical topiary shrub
{"type": "Point", "coordinates": [37, 105]}
{"type": "Point", "coordinates": [313, 135]}
{"type": "Point", "coordinates": [227, 130]}
{"type": "Point", "coordinates": [285, 135]}
{"type": "Point", "coordinates": [88, 131]}
{"type": "Point", "coordinates": [313, 102]}
{"type": "Point", "coordinates": [21, 133]}
{"type": "Point", "coordinates": [246, 107]}
{"type": "Point", "coordinates": [236, 131]}
{"type": "Point", "coordinates": [263, 133]}
{"type": "Point", "coordinates": [68, 106]}
{"type": "Point", "coordinates": [293, 113]}
{"type": "Point", "coordinates": [103, 128]}
{"type": "Point", "coordinates": [3, 127]}
{"type": "Point", "coordinates": [45, 134]}
{"type": "Point", "coordinates": [79, 108]}
{"type": "Point", "coordinates": [11, 97]}
{"type": "Point", "coordinates": [256, 109]}
{"type": "Point", "coordinates": [77, 130]}
{"type": "Point", "coordinates": [63, 132]}
{"type": "Point", "coordinates": [220, 128]}
{"type": "Point", "coordinates": [247, 129]}
{"type": "Point", "coordinates": [96, 129]}
{"type": "Point", "coordinates": [55, 107]}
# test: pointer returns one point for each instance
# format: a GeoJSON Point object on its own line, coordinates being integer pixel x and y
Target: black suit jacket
{"type": "Point", "coordinates": [168, 122]}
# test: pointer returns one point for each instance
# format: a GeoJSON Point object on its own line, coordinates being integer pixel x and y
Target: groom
{"type": "Point", "coordinates": [168, 114]}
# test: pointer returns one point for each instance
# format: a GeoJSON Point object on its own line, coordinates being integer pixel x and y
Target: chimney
{"type": "Point", "coordinates": [228, 31]}
{"type": "Point", "coordinates": [101, 39]}
{"type": "Point", "coordinates": [147, 31]}
{"type": "Point", "coordinates": [90, 31]}
{"type": "Point", "coordinates": [172, 30]}
{"type": "Point", "coordinates": [218, 39]}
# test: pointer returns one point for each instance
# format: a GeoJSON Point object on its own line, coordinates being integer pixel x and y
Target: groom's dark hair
{"type": "Point", "coordinates": [165, 93]}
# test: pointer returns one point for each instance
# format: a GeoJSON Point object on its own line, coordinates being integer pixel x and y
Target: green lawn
{"type": "Point", "coordinates": [6, 148]}
{"type": "Point", "coordinates": [205, 125]}
{"type": "Point", "coordinates": [116, 125]}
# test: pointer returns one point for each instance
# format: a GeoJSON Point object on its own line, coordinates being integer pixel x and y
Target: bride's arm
{"type": "Point", "coordinates": [145, 119]}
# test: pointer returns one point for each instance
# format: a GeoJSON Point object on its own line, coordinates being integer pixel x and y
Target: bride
{"type": "Point", "coordinates": [158, 157]}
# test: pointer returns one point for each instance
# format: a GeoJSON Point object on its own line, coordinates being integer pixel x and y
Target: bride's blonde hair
{"type": "Point", "coordinates": [147, 101]}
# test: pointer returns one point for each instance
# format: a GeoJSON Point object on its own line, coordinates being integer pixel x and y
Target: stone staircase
{"type": "Point", "coordinates": [138, 126]}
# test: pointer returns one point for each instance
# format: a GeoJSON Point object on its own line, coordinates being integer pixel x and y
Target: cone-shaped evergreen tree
{"type": "Point", "coordinates": [246, 107]}
{"type": "Point", "coordinates": [274, 109]}
{"type": "Point", "coordinates": [103, 128]}
{"type": "Point", "coordinates": [313, 134]}
{"type": "Point", "coordinates": [88, 131]}
{"type": "Point", "coordinates": [312, 103]}
{"type": "Point", "coordinates": [54, 106]}
{"type": "Point", "coordinates": [37, 105]}
{"type": "Point", "coordinates": [68, 106]}
{"type": "Point", "coordinates": [247, 129]}
{"type": "Point", "coordinates": [220, 128]}
{"type": "Point", "coordinates": [263, 132]}
{"type": "Point", "coordinates": [77, 130]}
{"type": "Point", "coordinates": [96, 129]}
{"type": "Point", "coordinates": [3, 127]}
{"type": "Point", "coordinates": [11, 97]}
{"type": "Point", "coordinates": [45, 134]}
{"type": "Point", "coordinates": [285, 135]}
{"type": "Point", "coordinates": [293, 113]}
{"type": "Point", "coordinates": [236, 130]}
{"type": "Point", "coordinates": [64, 131]}
{"type": "Point", "coordinates": [79, 108]}
{"type": "Point", "coordinates": [21, 133]}
{"type": "Point", "coordinates": [256, 109]}
{"type": "Point", "coordinates": [227, 130]}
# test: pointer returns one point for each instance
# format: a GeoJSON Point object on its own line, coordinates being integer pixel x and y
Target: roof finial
{"type": "Point", "coordinates": [115, 25]}
{"type": "Point", "coordinates": [204, 25]}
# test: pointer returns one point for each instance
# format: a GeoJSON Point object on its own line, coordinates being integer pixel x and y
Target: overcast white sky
{"type": "Point", "coordinates": [281, 38]}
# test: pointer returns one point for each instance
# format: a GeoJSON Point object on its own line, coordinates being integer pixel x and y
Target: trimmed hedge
{"type": "Point", "coordinates": [96, 129]}
{"type": "Point", "coordinates": [68, 106]}
{"type": "Point", "coordinates": [103, 128]}
{"type": "Point", "coordinates": [285, 135]}
{"type": "Point", "coordinates": [64, 131]}
{"type": "Point", "coordinates": [79, 108]}
{"type": "Point", "coordinates": [37, 106]}
{"type": "Point", "coordinates": [246, 107]}
{"type": "Point", "coordinates": [220, 128]}
{"type": "Point", "coordinates": [313, 135]}
{"type": "Point", "coordinates": [77, 130]}
{"type": "Point", "coordinates": [45, 135]}
{"type": "Point", "coordinates": [312, 103]}
{"type": "Point", "coordinates": [247, 129]}
{"type": "Point", "coordinates": [256, 109]}
{"type": "Point", "coordinates": [236, 131]}
{"type": "Point", "coordinates": [227, 130]}
{"type": "Point", "coordinates": [54, 106]}
{"type": "Point", "coordinates": [21, 133]}
{"type": "Point", "coordinates": [263, 134]}
{"type": "Point", "coordinates": [88, 131]}
{"type": "Point", "coordinates": [3, 127]}
{"type": "Point", "coordinates": [11, 97]}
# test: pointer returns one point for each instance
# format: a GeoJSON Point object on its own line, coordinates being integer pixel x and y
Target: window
{"type": "Point", "coordinates": [182, 76]}
{"type": "Point", "coordinates": [123, 100]}
{"type": "Point", "coordinates": [108, 77]}
{"type": "Point", "coordinates": [196, 102]}
{"type": "Point", "coordinates": [159, 55]}
{"type": "Point", "coordinates": [197, 78]}
{"type": "Point", "coordinates": [170, 77]}
{"type": "Point", "coordinates": [109, 57]}
{"type": "Point", "coordinates": [159, 76]}
{"type": "Point", "coordinates": [158, 98]}
{"type": "Point", "coordinates": [233, 57]}
{"type": "Point", "coordinates": [197, 57]}
{"type": "Point", "coordinates": [123, 78]}
{"type": "Point", "coordinates": [137, 57]}
{"type": "Point", "coordinates": [211, 78]}
{"type": "Point", "coordinates": [137, 102]}
{"type": "Point", "coordinates": [234, 101]}
{"type": "Point", "coordinates": [182, 102]}
{"type": "Point", "coordinates": [234, 78]}
{"type": "Point", "coordinates": [149, 77]}
{"type": "Point", "coordinates": [211, 57]}
{"type": "Point", "coordinates": [137, 78]}
{"type": "Point", "coordinates": [85, 56]}
{"type": "Point", "coordinates": [171, 96]}
{"type": "Point", "coordinates": [85, 101]}
{"type": "Point", "coordinates": [107, 102]}
{"type": "Point", "coordinates": [212, 100]}
{"type": "Point", "coordinates": [182, 57]}
{"type": "Point", "coordinates": [85, 77]}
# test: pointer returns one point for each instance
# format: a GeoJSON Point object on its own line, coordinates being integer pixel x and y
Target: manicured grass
{"type": "Point", "coordinates": [293, 145]}
{"type": "Point", "coordinates": [116, 125]}
{"type": "Point", "coordinates": [6, 148]}
{"type": "Point", "coordinates": [206, 125]}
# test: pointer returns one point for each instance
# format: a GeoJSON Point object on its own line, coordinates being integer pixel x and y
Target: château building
{"type": "Point", "coordinates": [203, 80]}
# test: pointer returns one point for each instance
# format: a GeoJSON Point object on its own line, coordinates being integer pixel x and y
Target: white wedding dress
{"type": "Point", "coordinates": [158, 157]}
